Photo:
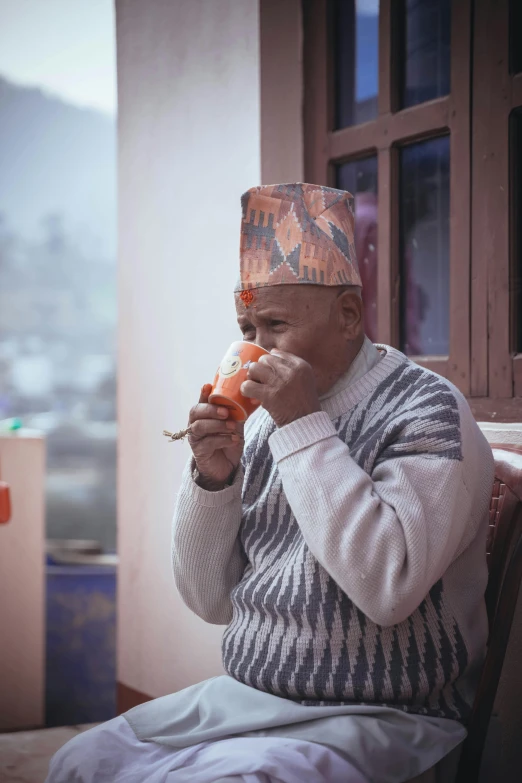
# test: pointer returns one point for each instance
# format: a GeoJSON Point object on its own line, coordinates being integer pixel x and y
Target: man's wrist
{"type": "Point", "coordinates": [298, 415]}
{"type": "Point", "coordinates": [211, 485]}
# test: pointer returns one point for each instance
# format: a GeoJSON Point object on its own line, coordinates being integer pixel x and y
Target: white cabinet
{"type": "Point", "coordinates": [22, 585]}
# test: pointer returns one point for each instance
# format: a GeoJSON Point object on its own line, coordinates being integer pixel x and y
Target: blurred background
{"type": "Point", "coordinates": [58, 319]}
{"type": "Point", "coordinates": [58, 250]}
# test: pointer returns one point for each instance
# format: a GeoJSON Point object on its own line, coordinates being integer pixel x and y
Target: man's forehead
{"type": "Point", "coordinates": [282, 300]}
{"type": "Point", "coordinates": [280, 297]}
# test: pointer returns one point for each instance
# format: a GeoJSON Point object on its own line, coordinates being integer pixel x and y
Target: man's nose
{"type": "Point", "coordinates": [264, 341]}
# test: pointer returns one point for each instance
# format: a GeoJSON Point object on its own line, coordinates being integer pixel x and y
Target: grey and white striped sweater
{"type": "Point", "coordinates": [348, 557]}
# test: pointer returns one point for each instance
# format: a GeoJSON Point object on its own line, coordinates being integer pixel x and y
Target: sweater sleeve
{"type": "Point", "coordinates": [207, 556]}
{"type": "Point", "coordinates": [385, 539]}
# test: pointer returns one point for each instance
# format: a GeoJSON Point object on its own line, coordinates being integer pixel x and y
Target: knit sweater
{"type": "Point", "coordinates": [348, 557]}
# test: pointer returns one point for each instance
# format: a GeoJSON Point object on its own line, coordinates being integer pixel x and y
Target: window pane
{"type": "Point", "coordinates": [515, 43]}
{"type": "Point", "coordinates": [424, 238]}
{"type": "Point", "coordinates": [516, 261]}
{"type": "Point", "coordinates": [356, 41]}
{"type": "Point", "coordinates": [359, 177]}
{"type": "Point", "coordinates": [426, 50]}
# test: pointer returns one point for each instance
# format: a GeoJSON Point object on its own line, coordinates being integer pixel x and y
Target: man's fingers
{"type": "Point", "coordinates": [260, 372]}
{"type": "Point", "coordinates": [207, 411]}
{"type": "Point", "coordinates": [214, 443]}
{"type": "Point", "coordinates": [253, 389]}
{"type": "Point", "coordinates": [275, 359]}
{"type": "Point", "coordinates": [201, 428]}
{"type": "Point", "coordinates": [277, 354]}
{"type": "Point", "coordinates": [285, 359]}
{"type": "Point", "coordinates": [205, 393]}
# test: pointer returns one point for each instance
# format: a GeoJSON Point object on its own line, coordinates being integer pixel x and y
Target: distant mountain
{"type": "Point", "coordinates": [56, 158]}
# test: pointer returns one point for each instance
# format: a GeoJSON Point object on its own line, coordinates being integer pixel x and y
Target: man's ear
{"type": "Point", "coordinates": [350, 310]}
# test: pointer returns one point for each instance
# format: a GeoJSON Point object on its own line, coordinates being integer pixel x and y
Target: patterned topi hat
{"type": "Point", "coordinates": [297, 233]}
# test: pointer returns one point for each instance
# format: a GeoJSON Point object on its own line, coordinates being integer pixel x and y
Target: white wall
{"type": "Point", "coordinates": [189, 145]}
{"type": "Point", "coordinates": [281, 59]}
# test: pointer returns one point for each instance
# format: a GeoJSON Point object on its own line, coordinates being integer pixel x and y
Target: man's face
{"type": "Point", "coordinates": [305, 320]}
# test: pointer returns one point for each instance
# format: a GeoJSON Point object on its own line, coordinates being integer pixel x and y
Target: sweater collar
{"type": "Point", "coordinates": [368, 370]}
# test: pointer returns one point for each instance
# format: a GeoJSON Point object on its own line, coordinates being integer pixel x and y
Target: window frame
{"type": "Point", "coordinates": [392, 128]}
{"type": "Point", "coordinates": [497, 369]}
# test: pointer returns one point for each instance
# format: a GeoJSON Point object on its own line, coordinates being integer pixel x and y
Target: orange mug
{"type": "Point", "coordinates": [226, 390]}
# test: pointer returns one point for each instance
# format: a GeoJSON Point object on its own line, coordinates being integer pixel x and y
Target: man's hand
{"type": "Point", "coordinates": [216, 442]}
{"type": "Point", "coordinates": [284, 385]}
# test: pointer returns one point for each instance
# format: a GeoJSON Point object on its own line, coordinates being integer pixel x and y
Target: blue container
{"type": "Point", "coordinates": [81, 643]}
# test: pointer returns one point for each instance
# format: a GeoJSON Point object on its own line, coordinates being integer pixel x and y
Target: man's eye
{"type": "Point", "coordinates": [276, 323]}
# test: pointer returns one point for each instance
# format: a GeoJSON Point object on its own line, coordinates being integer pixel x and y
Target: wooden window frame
{"type": "Point", "coordinates": [383, 136]}
{"type": "Point", "coordinates": [476, 115]}
{"type": "Point", "coordinates": [496, 370]}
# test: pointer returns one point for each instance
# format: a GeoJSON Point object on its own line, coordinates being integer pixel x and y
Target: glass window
{"type": "Point", "coordinates": [356, 54]}
{"type": "Point", "coordinates": [359, 177]}
{"type": "Point", "coordinates": [516, 207]}
{"type": "Point", "coordinates": [425, 44]}
{"type": "Point", "coordinates": [515, 43]}
{"type": "Point", "coordinates": [424, 247]}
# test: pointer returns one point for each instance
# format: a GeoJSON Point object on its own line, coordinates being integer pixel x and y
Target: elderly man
{"type": "Point", "coordinates": [340, 538]}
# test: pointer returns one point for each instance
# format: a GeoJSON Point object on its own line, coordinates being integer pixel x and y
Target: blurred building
{"type": "Point", "coordinates": [58, 300]}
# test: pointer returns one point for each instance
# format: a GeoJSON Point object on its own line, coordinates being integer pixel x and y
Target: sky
{"type": "Point", "coordinates": [370, 7]}
{"type": "Point", "coordinates": [66, 47]}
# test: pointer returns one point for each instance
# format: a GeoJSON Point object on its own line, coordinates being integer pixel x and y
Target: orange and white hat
{"type": "Point", "coordinates": [297, 233]}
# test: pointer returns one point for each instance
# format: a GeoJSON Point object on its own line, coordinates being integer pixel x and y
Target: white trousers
{"type": "Point", "coordinates": [111, 753]}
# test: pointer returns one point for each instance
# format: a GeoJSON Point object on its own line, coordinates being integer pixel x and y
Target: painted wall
{"type": "Point", "coordinates": [281, 59]}
{"type": "Point", "coordinates": [189, 145]}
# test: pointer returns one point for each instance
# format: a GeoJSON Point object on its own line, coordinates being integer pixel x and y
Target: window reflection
{"type": "Point", "coordinates": [515, 30]}
{"type": "Point", "coordinates": [356, 41]}
{"type": "Point", "coordinates": [424, 247]}
{"type": "Point", "coordinates": [516, 261]}
{"type": "Point", "coordinates": [359, 177]}
{"type": "Point", "coordinates": [425, 45]}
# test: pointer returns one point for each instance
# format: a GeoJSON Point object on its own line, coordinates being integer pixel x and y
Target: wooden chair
{"type": "Point", "coordinates": [504, 554]}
